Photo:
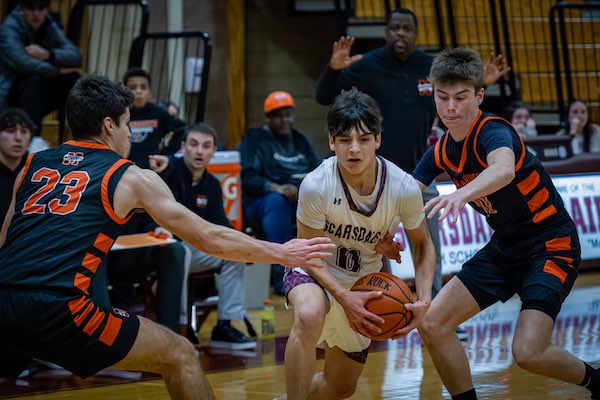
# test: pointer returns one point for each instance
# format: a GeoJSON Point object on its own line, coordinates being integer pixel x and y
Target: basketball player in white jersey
{"type": "Point", "coordinates": [352, 197]}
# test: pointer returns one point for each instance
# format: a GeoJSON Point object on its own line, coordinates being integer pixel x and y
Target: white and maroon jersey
{"type": "Point", "coordinates": [355, 223]}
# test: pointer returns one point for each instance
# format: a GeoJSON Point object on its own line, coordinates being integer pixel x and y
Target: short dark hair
{"type": "Point", "coordinates": [200, 127]}
{"type": "Point", "coordinates": [514, 106]}
{"type": "Point", "coordinates": [11, 117]}
{"type": "Point", "coordinates": [92, 98]}
{"type": "Point", "coordinates": [136, 71]}
{"type": "Point", "coordinates": [34, 4]}
{"type": "Point", "coordinates": [402, 10]}
{"type": "Point", "coordinates": [456, 65]}
{"type": "Point", "coordinates": [354, 109]}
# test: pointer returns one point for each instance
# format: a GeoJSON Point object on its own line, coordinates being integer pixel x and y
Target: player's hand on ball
{"type": "Point", "coordinates": [419, 309]}
{"type": "Point", "coordinates": [306, 252]}
{"type": "Point", "coordinates": [389, 247]}
{"type": "Point", "coordinates": [362, 320]}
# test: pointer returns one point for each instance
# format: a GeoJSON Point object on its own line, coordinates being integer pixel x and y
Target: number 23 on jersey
{"type": "Point", "coordinates": [57, 194]}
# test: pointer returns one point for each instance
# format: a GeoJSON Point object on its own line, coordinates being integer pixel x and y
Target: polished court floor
{"type": "Point", "coordinates": [395, 369]}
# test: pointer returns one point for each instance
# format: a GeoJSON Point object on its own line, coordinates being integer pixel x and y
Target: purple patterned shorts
{"type": "Point", "coordinates": [293, 278]}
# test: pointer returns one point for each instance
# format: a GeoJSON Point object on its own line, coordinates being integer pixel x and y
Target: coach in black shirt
{"type": "Point", "coordinates": [201, 192]}
{"type": "Point", "coordinates": [16, 128]}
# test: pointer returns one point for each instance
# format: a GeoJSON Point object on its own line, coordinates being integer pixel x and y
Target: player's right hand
{"type": "Point", "coordinates": [158, 163]}
{"type": "Point", "coordinates": [361, 320]}
{"type": "Point", "coordinates": [419, 309]}
{"type": "Point", "coordinates": [306, 252]}
{"type": "Point", "coordinates": [340, 54]}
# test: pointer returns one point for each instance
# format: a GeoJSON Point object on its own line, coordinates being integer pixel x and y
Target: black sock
{"type": "Point", "coordinates": [223, 322]}
{"type": "Point", "coordinates": [591, 380]}
{"type": "Point", "coordinates": [468, 395]}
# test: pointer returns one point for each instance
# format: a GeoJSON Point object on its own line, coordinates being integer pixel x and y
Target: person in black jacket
{"type": "Point", "coordinates": [16, 128]}
{"type": "Point", "coordinates": [275, 157]}
{"type": "Point", "coordinates": [198, 190]}
{"type": "Point", "coordinates": [38, 64]}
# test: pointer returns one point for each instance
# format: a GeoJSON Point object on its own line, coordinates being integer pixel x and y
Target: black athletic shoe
{"type": "Point", "coordinates": [227, 337]}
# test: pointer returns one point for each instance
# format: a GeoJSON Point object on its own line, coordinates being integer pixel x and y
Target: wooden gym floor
{"type": "Point", "coordinates": [395, 369]}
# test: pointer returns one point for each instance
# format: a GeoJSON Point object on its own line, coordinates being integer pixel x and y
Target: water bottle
{"type": "Point", "coordinates": [268, 321]}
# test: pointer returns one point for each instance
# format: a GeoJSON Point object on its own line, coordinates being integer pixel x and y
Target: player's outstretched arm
{"type": "Point", "coordinates": [361, 320]}
{"type": "Point", "coordinates": [144, 189]}
{"type": "Point", "coordinates": [499, 173]}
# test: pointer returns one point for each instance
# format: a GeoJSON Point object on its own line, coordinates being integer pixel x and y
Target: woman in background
{"type": "Point", "coordinates": [586, 135]}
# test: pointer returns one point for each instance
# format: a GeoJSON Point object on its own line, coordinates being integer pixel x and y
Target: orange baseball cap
{"type": "Point", "coordinates": [277, 100]}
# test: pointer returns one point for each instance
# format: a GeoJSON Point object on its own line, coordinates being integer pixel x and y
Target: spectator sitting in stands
{"type": "Point", "coordinates": [275, 157]}
{"type": "Point", "coordinates": [149, 123]}
{"type": "Point", "coordinates": [585, 134]}
{"type": "Point", "coordinates": [38, 64]}
{"type": "Point", "coordinates": [520, 118]}
{"type": "Point", "coordinates": [201, 192]}
{"type": "Point", "coordinates": [16, 128]}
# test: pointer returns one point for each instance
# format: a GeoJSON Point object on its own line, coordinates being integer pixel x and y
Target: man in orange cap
{"type": "Point", "coordinates": [275, 157]}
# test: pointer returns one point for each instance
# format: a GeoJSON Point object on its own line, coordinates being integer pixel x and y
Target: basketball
{"type": "Point", "coordinates": [390, 306]}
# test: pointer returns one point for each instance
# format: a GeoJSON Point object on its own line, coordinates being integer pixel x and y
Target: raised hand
{"type": "Point", "coordinates": [340, 54]}
{"type": "Point", "coordinates": [361, 320]}
{"type": "Point", "coordinates": [306, 252]}
{"type": "Point", "coordinates": [494, 68]}
{"type": "Point", "coordinates": [574, 126]}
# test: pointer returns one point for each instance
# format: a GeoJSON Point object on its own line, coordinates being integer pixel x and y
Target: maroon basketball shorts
{"type": "Point", "coordinates": [294, 278]}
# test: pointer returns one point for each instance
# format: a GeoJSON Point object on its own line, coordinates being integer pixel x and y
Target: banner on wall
{"type": "Point", "coordinates": [460, 241]}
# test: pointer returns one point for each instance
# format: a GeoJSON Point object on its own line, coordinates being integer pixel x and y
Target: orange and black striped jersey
{"type": "Point", "coordinates": [529, 203]}
{"type": "Point", "coordinates": [64, 222]}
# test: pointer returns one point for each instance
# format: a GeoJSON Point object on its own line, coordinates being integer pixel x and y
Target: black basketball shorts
{"type": "Point", "coordinates": [70, 331]}
{"type": "Point", "coordinates": [540, 268]}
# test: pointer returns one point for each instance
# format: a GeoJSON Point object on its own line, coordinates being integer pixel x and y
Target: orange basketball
{"type": "Point", "coordinates": [390, 306]}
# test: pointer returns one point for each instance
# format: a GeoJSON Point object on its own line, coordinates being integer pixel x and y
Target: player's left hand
{"type": "Point", "coordinates": [360, 319]}
{"type": "Point", "coordinates": [446, 204]}
{"type": "Point", "coordinates": [494, 68]}
{"type": "Point", "coordinates": [306, 252]}
{"type": "Point", "coordinates": [389, 247]}
{"type": "Point", "coordinates": [419, 309]}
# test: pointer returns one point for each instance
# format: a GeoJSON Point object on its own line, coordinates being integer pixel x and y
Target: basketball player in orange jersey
{"type": "Point", "coordinates": [353, 197]}
{"type": "Point", "coordinates": [534, 251]}
{"type": "Point", "coordinates": [67, 210]}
